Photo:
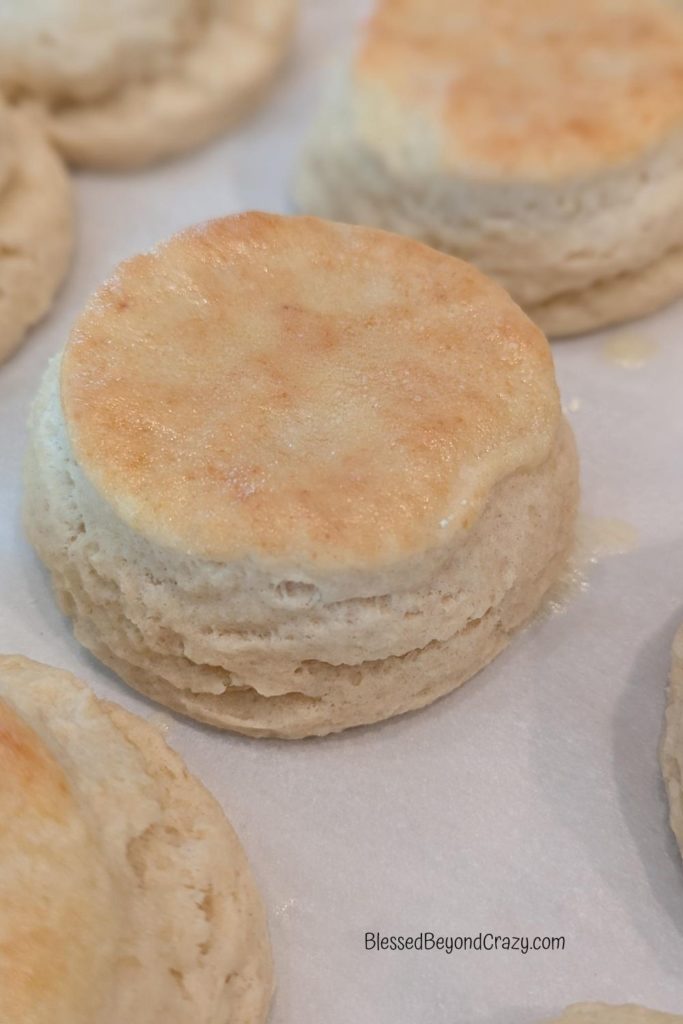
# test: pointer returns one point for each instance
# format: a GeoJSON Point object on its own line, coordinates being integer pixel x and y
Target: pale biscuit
{"type": "Point", "coordinates": [541, 141]}
{"type": "Point", "coordinates": [133, 81]}
{"type": "Point", "coordinates": [326, 490]}
{"type": "Point", "coordinates": [606, 1013]}
{"type": "Point", "coordinates": [36, 227]}
{"type": "Point", "coordinates": [672, 743]}
{"type": "Point", "coordinates": [125, 893]}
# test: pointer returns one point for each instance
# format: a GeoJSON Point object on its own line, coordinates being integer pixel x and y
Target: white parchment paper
{"type": "Point", "coordinates": [529, 802]}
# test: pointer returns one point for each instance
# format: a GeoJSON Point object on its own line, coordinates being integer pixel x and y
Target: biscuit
{"type": "Point", "coordinates": [36, 227]}
{"type": "Point", "coordinates": [326, 489]}
{"type": "Point", "coordinates": [127, 83]}
{"type": "Point", "coordinates": [540, 140]}
{"type": "Point", "coordinates": [672, 743]}
{"type": "Point", "coordinates": [604, 1013]}
{"type": "Point", "coordinates": [125, 893]}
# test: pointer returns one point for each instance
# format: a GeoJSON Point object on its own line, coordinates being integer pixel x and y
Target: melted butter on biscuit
{"type": "Point", "coordinates": [286, 387]}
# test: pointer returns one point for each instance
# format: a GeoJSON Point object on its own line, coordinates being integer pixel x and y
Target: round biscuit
{"type": "Point", "coordinates": [126, 894]}
{"type": "Point", "coordinates": [328, 488]}
{"type": "Point", "coordinates": [542, 142]}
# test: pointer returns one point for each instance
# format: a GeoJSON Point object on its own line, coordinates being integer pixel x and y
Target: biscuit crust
{"type": "Point", "coordinates": [136, 900]}
{"type": "Point", "coordinates": [508, 88]}
{"type": "Point", "coordinates": [162, 95]}
{"type": "Point", "coordinates": [340, 396]}
{"type": "Point", "coordinates": [36, 229]}
{"type": "Point", "coordinates": [59, 913]}
{"type": "Point", "coordinates": [541, 141]}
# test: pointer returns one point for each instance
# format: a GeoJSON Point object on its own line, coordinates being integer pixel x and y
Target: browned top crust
{"type": "Point", "coordinates": [292, 388]}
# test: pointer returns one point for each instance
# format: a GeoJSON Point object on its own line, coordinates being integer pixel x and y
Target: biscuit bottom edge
{"type": "Point", "coordinates": [614, 300]}
{"type": "Point", "coordinates": [380, 690]}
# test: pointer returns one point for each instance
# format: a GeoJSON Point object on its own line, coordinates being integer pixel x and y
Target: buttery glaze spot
{"type": "Point", "coordinates": [287, 387]}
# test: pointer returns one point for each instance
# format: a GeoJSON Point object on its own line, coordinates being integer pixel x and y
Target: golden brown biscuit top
{"type": "Point", "coordinates": [295, 389]}
{"type": "Point", "coordinates": [527, 88]}
{"type": "Point", "coordinates": [54, 920]}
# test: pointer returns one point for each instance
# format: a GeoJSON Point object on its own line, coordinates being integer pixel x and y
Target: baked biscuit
{"type": "Point", "coordinates": [132, 81]}
{"type": "Point", "coordinates": [125, 894]}
{"type": "Point", "coordinates": [292, 476]}
{"type": "Point", "coordinates": [672, 744]}
{"type": "Point", "coordinates": [36, 227]}
{"type": "Point", "coordinates": [541, 140]}
{"type": "Point", "coordinates": [604, 1013]}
